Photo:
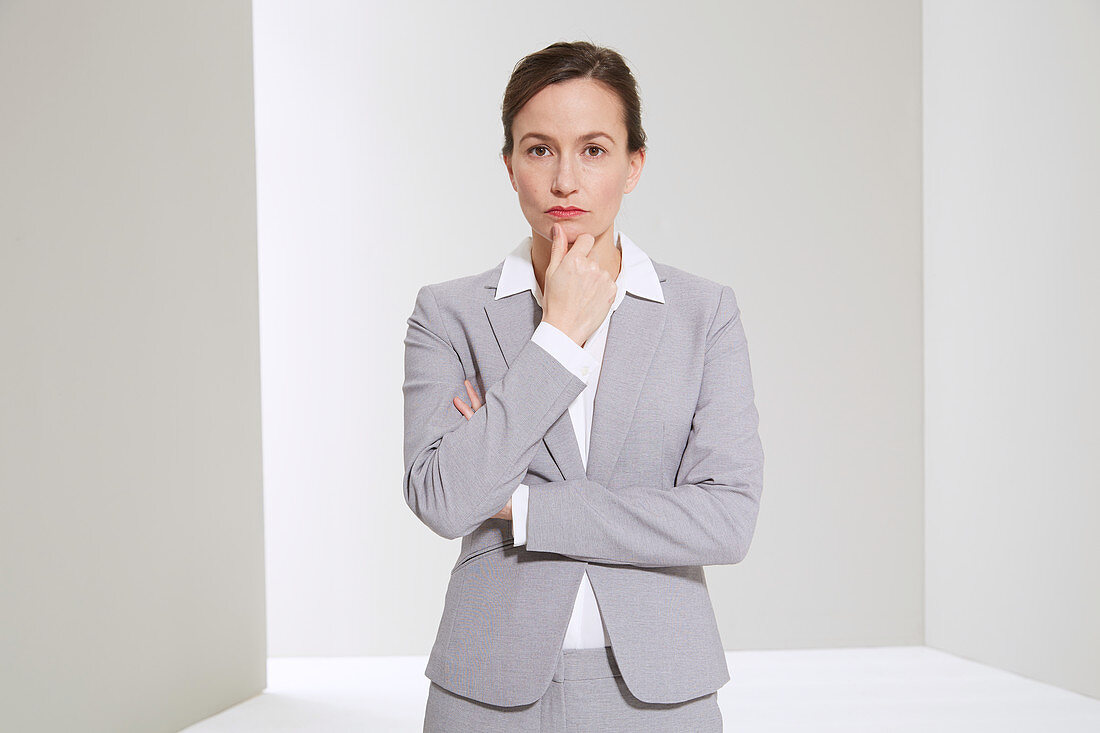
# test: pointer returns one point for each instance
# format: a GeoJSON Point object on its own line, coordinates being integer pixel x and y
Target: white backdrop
{"type": "Point", "coordinates": [783, 161]}
{"type": "Point", "coordinates": [1012, 181]}
{"type": "Point", "coordinates": [131, 486]}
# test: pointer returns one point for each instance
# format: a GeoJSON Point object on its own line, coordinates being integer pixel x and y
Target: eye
{"type": "Point", "coordinates": [537, 148]}
{"type": "Point", "coordinates": [598, 151]}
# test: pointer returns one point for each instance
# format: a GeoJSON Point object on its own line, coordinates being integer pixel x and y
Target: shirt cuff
{"type": "Point", "coordinates": [564, 349]}
{"type": "Point", "coordinates": [519, 514]}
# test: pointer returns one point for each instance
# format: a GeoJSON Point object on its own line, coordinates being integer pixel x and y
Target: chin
{"type": "Point", "coordinates": [572, 229]}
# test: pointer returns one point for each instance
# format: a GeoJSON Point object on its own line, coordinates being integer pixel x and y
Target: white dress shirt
{"type": "Point", "coordinates": [586, 629]}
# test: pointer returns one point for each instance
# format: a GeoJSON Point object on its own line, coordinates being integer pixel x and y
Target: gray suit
{"type": "Point", "coordinates": [674, 479]}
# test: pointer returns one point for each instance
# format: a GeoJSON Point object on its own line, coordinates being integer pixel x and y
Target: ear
{"type": "Point", "coordinates": [511, 174]}
{"type": "Point", "coordinates": [637, 162]}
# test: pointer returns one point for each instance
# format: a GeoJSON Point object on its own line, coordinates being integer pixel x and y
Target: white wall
{"type": "Point", "coordinates": [131, 543]}
{"type": "Point", "coordinates": [1012, 252]}
{"type": "Point", "coordinates": [784, 161]}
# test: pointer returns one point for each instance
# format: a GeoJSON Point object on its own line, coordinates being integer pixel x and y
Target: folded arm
{"type": "Point", "coordinates": [707, 518]}
{"type": "Point", "coordinates": [460, 472]}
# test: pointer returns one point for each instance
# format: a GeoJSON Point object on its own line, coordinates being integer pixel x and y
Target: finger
{"type": "Point", "coordinates": [557, 247]}
{"type": "Point", "coordinates": [463, 407]}
{"type": "Point", "coordinates": [584, 244]}
{"type": "Point", "coordinates": [474, 399]}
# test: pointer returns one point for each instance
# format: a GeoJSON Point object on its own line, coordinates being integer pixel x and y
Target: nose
{"type": "Point", "coordinates": [565, 180]}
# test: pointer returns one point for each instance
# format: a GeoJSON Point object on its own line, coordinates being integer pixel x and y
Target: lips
{"type": "Point", "coordinates": [565, 212]}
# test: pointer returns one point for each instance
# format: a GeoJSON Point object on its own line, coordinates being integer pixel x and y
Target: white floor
{"type": "Point", "coordinates": [876, 690]}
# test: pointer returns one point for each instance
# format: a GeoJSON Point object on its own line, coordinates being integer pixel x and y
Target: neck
{"type": "Point", "coordinates": [604, 251]}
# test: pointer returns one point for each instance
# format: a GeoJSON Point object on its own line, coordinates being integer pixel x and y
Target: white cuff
{"type": "Point", "coordinates": [519, 514]}
{"type": "Point", "coordinates": [564, 349]}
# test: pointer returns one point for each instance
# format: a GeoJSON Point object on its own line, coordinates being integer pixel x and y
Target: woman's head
{"type": "Point", "coordinates": [560, 62]}
{"type": "Point", "coordinates": [573, 136]}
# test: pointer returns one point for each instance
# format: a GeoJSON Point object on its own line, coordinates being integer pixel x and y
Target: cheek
{"type": "Point", "coordinates": [609, 188]}
{"type": "Point", "coordinates": [529, 187]}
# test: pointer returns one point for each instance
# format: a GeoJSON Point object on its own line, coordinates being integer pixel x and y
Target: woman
{"type": "Point", "coordinates": [615, 451]}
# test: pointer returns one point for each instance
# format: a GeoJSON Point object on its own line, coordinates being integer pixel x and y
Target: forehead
{"type": "Point", "coordinates": [576, 105]}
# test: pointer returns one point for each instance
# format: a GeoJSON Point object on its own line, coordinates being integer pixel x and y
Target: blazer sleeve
{"type": "Point", "coordinates": [709, 516]}
{"type": "Point", "coordinates": [460, 472]}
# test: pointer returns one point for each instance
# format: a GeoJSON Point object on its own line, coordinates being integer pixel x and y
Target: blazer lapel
{"type": "Point", "coordinates": [513, 320]}
{"type": "Point", "coordinates": [633, 333]}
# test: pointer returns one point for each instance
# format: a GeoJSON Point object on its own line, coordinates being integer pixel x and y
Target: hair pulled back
{"type": "Point", "coordinates": [577, 60]}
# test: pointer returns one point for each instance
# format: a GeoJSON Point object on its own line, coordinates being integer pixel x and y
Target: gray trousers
{"type": "Point", "coordinates": [587, 694]}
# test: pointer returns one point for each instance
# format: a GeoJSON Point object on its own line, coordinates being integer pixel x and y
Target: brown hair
{"type": "Point", "coordinates": [580, 60]}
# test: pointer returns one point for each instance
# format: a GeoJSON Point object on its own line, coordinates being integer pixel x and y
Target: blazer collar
{"type": "Point", "coordinates": [636, 273]}
{"type": "Point", "coordinates": [632, 336]}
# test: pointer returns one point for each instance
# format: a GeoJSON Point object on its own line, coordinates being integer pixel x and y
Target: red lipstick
{"type": "Point", "coordinates": [565, 212]}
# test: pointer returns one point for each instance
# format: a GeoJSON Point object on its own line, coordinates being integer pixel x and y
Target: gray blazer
{"type": "Point", "coordinates": [674, 478]}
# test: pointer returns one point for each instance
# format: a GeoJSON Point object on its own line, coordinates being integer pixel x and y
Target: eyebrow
{"type": "Point", "coordinates": [586, 136]}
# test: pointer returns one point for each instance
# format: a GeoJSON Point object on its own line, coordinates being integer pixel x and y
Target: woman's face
{"type": "Point", "coordinates": [570, 152]}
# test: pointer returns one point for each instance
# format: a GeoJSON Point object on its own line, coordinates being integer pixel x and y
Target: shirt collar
{"type": "Point", "coordinates": [636, 273]}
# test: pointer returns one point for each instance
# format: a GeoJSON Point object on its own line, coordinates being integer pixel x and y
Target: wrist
{"type": "Point", "coordinates": [567, 332]}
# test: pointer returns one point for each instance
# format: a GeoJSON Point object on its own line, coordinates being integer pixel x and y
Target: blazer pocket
{"type": "Point", "coordinates": [481, 552]}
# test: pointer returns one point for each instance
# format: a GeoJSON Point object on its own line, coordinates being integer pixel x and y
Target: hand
{"type": "Point", "coordinates": [474, 399]}
{"type": "Point", "coordinates": [468, 411]}
{"type": "Point", "coordinates": [578, 292]}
